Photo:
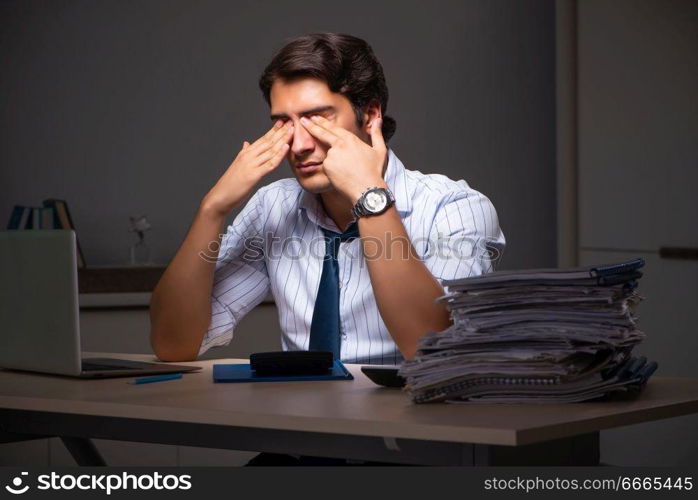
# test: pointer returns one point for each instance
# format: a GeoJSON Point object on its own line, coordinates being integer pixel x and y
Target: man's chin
{"type": "Point", "coordinates": [316, 184]}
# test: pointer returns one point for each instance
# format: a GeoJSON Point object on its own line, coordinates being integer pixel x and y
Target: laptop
{"type": "Point", "coordinates": [39, 310]}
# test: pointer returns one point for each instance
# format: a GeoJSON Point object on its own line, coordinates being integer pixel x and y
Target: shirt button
{"type": "Point", "coordinates": [340, 284]}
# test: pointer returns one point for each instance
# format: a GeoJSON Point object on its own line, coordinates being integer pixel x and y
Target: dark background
{"type": "Point", "coordinates": [137, 107]}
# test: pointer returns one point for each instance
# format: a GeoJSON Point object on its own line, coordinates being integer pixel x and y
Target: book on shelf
{"type": "Point", "coordinates": [19, 217]}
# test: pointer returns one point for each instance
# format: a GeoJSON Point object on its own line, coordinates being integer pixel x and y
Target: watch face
{"type": "Point", "coordinates": [375, 201]}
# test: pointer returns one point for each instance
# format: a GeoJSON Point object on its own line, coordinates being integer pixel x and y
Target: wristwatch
{"type": "Point", "coordinates": [373, 201]}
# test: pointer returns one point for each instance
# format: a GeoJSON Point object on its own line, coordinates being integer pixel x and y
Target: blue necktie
{"type": "Point", "coordinates": [324, 328]}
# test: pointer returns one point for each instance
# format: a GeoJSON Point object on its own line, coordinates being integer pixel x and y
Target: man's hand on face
{"type": "Point", "coordinates": [251, 164]}
{"type": "Point", "coordinates": [351, 165]}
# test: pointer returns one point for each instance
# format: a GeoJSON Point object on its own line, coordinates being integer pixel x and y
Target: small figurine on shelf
{"type": "Point", "coordinates": [140, 252]}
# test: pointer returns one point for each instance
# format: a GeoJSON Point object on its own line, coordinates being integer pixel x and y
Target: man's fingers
{"type": "Point", "coordinates": [319, 132]}
{"type": "Point", "coordinates": [270, 153]}
{"type": "Point", "coordinates": [278, 125]}
{"type": "Point", "coordinates": [377, 140]}
{"type": "Point", "coordinates": [245, 145]}
{"type": "Point", "coordinates": [330, 127]}
{"type": "Point", "coordinates": [268, 138]}
{"type": "Point", "coordinates": [265, 144]}
{"type": "Point", "coordinates": [282, 135]}
{"type": "Point", "coordinates": [277, 157]}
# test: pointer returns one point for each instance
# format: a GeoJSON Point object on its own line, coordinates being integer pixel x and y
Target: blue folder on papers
{"type": "Point", "coordinates": [241, 372]}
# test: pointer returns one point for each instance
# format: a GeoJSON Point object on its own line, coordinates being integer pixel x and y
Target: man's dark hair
{"type": "Point", "coordinates": [346, 63]}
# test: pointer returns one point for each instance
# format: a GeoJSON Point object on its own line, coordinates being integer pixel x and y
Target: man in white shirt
{"type": "Point", "coordinates": [328, 98]}
{"type": "Point", "coordinates": [353, 248]}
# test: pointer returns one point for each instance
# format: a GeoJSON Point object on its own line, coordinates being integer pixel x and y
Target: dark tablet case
{"type": "Point", "coordinates": [241, 372]}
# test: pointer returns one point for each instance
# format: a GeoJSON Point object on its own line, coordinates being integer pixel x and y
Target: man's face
{"type": "Point", "coordinates": [290, 100]}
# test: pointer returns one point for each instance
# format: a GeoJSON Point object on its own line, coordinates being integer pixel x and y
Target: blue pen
{"type": "Point", "coordinates": [156, 378]}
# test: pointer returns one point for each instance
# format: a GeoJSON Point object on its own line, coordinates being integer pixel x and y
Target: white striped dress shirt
{"type": "Point", "coordinates": [276, 245]}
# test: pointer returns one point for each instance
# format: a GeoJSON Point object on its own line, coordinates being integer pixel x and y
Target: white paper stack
{"type": "Point", "coordinates": [543, 335]}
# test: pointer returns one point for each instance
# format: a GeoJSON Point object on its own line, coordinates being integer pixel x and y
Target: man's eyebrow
{"type": "Point", "coordinates": [312, 111]}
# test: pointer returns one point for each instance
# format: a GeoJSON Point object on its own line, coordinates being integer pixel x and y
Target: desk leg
{"type": "Point", "coordinates": [577, 450]}
{"type": "Point", "coordinates": [83, 451]}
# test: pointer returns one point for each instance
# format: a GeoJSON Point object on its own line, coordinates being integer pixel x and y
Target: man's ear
{"type": "Point", "coordinates": [371, 113]}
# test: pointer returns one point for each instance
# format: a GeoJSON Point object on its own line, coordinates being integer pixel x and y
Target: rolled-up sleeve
{"type": "Point", "coordinates": [465, 238]}
{"type": "Point", "coordinates": [240, 281]}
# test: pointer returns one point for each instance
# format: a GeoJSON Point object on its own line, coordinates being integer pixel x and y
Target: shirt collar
{"type": "Point", "coordinates": [395, 178]}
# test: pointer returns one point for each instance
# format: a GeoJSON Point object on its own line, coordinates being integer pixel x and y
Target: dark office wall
{"type": "Point", "coordinates": [638, 153]}
{"type": "Point", "coordinates": [136, 107]}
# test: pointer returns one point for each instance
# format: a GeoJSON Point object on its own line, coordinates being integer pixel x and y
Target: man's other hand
{"type": "Point", "coordinates": [251, 164]}
{"type": "Point", "coordinates": [351, 165]}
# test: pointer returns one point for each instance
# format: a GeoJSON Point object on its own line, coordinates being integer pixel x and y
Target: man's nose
{"type": "Point", "coordinates": [302, 142]}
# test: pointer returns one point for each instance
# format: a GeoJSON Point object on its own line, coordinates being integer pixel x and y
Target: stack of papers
{"type": "Point", "coordinates": [535, 336]}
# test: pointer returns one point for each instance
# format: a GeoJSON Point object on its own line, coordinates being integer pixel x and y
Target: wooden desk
{"type": "Point", "coordinates": [352, 419]}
